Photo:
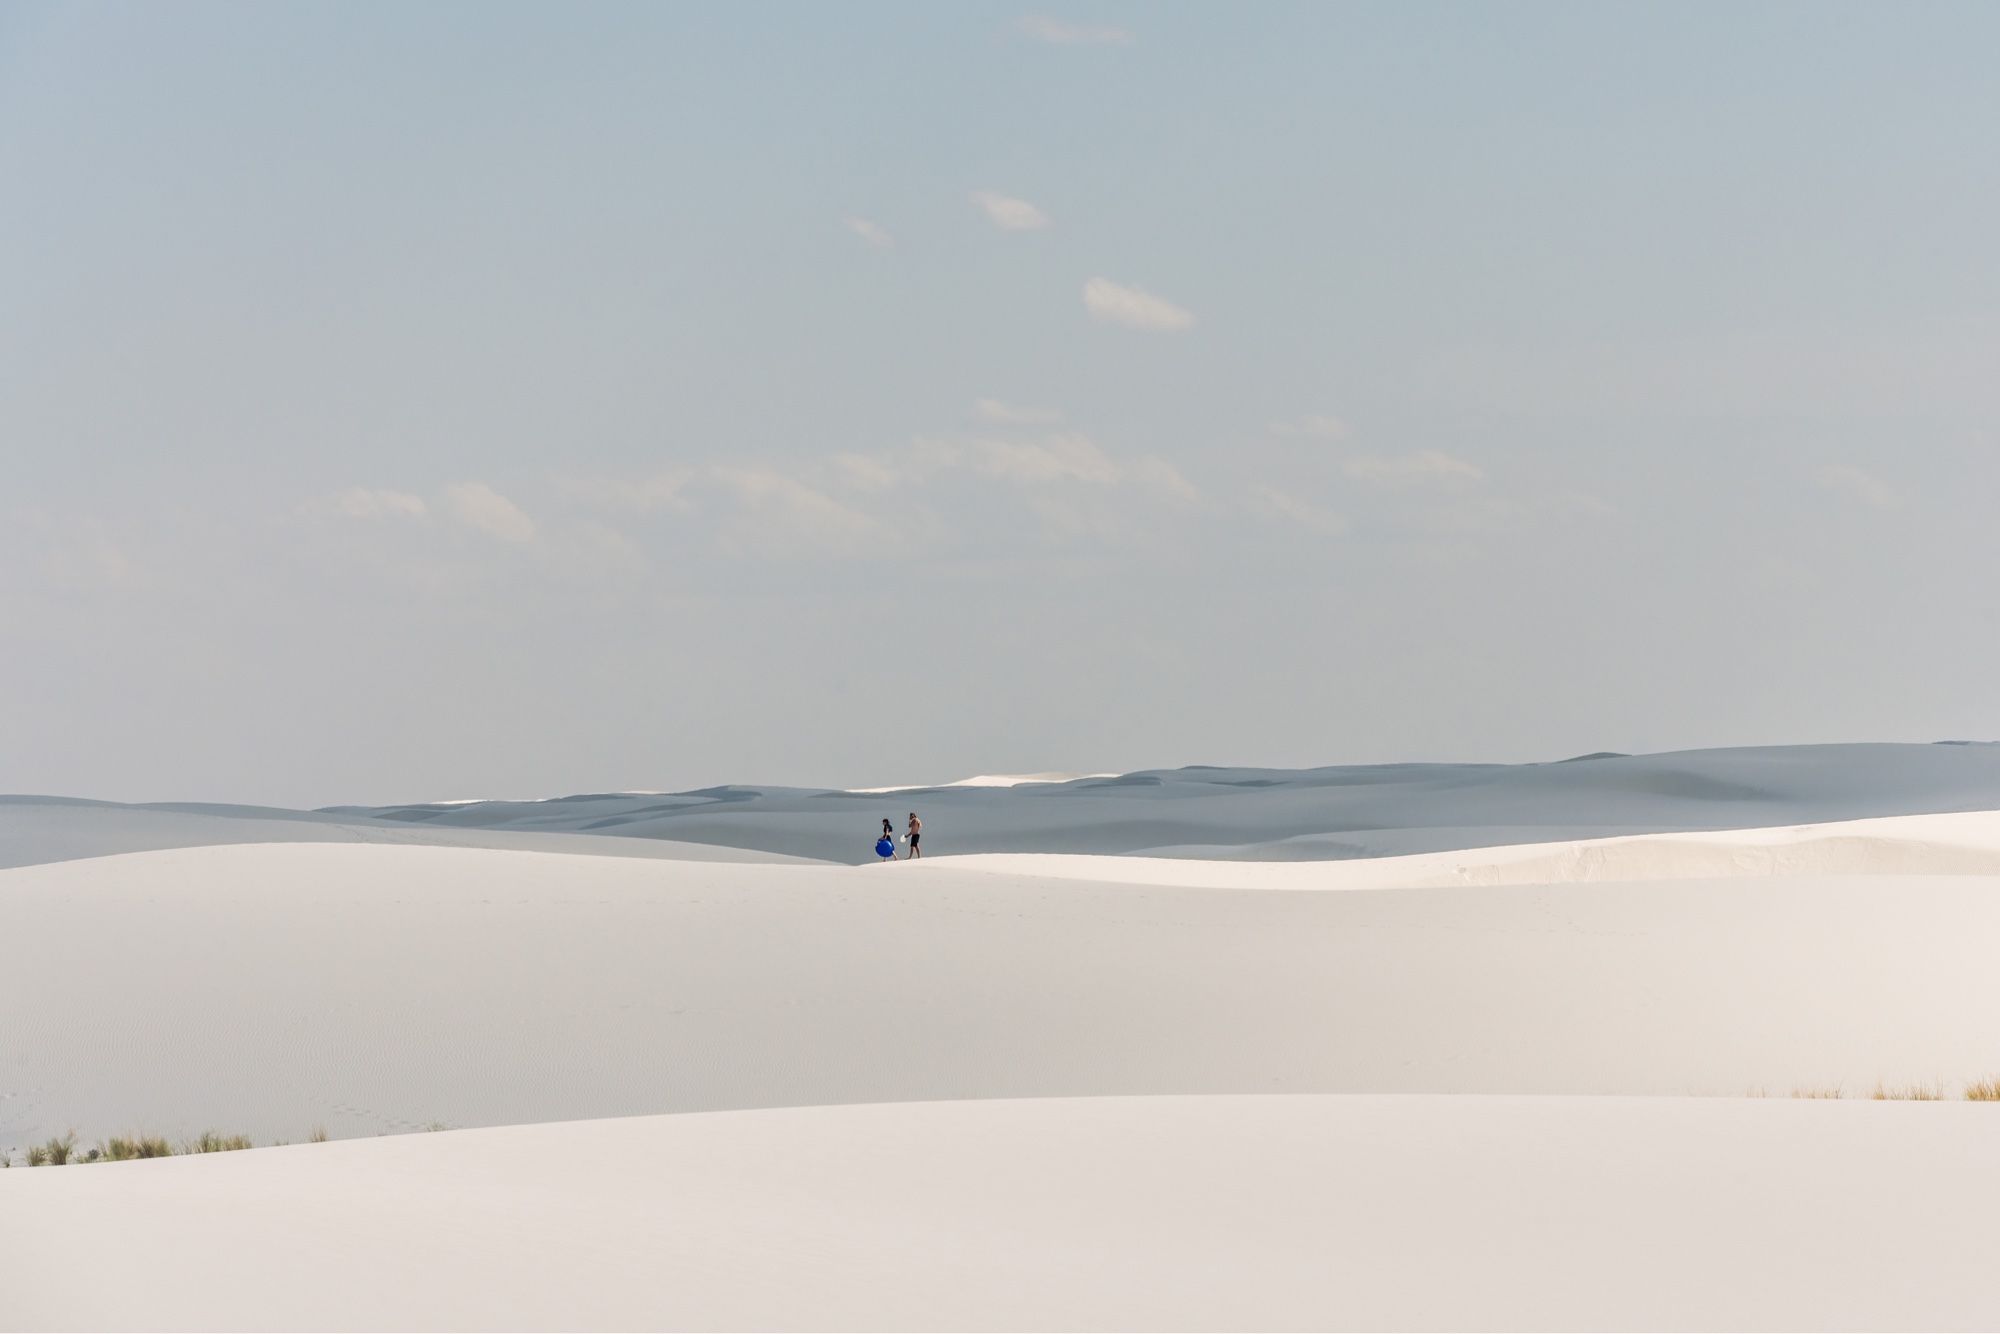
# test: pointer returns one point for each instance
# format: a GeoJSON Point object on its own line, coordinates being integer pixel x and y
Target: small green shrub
{"type": "Point", "coordinates": [120, 1148]}
{"type": "Point", "coordinates": [55, 1153]}
{"type": "Point", "coordinates": [126, 1148]}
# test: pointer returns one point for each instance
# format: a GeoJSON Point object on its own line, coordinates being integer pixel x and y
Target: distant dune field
{"type": "Point", "coordinates": [1202, 812]}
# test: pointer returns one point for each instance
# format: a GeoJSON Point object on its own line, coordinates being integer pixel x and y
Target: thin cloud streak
{"type": "Point", "coordinates": [481, 508]}
{"type": "Point", "coordinates": [1306, 514]}
{"type": "Point", "coordinates": [1425, 467]}
{"type": "Point", "coordinates": [1010, 214]}
{"type": "Point", "coordinates": [1011, 414]}
{"type": "Point", "coordinates": [1318, 427]}
{"type": "Point", "coordinates": [778, 514]}
{"type": "Point", "coordinates": [639, 495]}
{"type": "Point", "coordinates": [360, 502]}
{"type": "Point", "coordinates": [1057, 32]}
{"type": "Point", "coordinates": [1134, 308]}
{"type": "Point", "coordinates": [871, 232]}
{"type": "Point", "coordinates": [1862, 485]}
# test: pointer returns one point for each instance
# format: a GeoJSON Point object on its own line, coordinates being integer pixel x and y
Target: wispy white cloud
{"type": "Point", "coordinates": [84, 554]}
{"type": "Point", "coordinates": [1050, 459]}
{"type": "Point", "coordinates": [1296, 509]}
{"type": "Point", "coordinates": [777, 512]}
{"type": "Point", "coordinates": [1012, 414]}
{"type": "Point", "coordinates": [1077, 489]}
{"type": "Point", "coordinates": [1070, 515]}
{"type": "Point", "coordinates": [1134, 308]}
{"type": "Point", "coordinates": [1426, 467]}
{"type": "Point", "coordinates": [866, 472]}
{"type": "Point", "coordinates": [1862, 485]}
{"type": "Point", "coordinates": [871, 232]}
{"type": "Point", "coordinates": [1010, 214]}
{"type": "Point", "coordinates": [1158, 475]}
{"type": "Point", "coordinates": [1484, 515]}
{"type": "Point", "coordinates": [360, 502]}
{"type": "Point", "coordinates": [1067, 456]}
{"type": "Point", "coordinates": [596, 548]}
{"type": "Point", "coordinates": [1057, 32]}
{"type": "Point", "coordinates": [1315, 427]}
{"type": "Point", "coordinates": [665, 490]}
{"type": "Point", "coordinates": [480, 507]}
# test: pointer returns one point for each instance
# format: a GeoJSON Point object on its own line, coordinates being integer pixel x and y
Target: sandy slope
{"type": "Point", "coordinates": [270, 988]}
{"type": "Point", "coordinates": [1965, 843]}
{"type": "Point", "coordinates": [1301, 1212]}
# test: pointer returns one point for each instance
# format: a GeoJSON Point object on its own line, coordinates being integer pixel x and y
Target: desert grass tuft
{"type": "Point", "coordinates": [54, 1153]}
{"type": "Point", "coordinates": [1979, 1090]}
{"type": "Point", "coordinates": [124, 1148]}
{"type": "Point", "coordinates": [1908, 1092]}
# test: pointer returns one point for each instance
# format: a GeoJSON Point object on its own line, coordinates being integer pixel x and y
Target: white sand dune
{"type": "Point", "coordinates": [1010, 1090]}
{"type": "Point", "coordinates": [370, 988]}
{"type": "Point", "coordinates": [983, 780]}
{"type": "Point", "coordinates": [1016, 780]}
{"type": "Point", "coordinates": [1147, 1213]}
{"type": "Point", "coordinates": [1963, 843]}
{"type": "Point", "coordinates": [38, 830]}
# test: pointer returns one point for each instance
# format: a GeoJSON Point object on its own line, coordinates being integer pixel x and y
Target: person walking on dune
{"type": "Point", "coordinates": [885, 846]}
{"type": "Point", "coordinates": [916, 835]}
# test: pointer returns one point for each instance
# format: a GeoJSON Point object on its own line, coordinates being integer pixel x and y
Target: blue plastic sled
{"type": "Point", "coordinates": [884, 848]}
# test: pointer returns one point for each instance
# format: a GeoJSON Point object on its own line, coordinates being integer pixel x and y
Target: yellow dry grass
{"type": "Point", "coordinates": [1823, 1091]}
{"type": "Point", "coordinates": [1933, 1092]}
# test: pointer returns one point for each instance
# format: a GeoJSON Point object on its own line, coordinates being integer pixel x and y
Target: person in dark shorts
{"type": "Point", "coordinates": [916, 835]}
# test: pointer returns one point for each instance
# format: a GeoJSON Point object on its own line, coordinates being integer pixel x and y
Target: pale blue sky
{"type": "Point", "coordinates": [414, 401]}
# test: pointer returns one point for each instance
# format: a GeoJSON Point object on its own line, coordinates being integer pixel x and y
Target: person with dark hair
{"type": "Point", "coordinates": [885, 846]}
{"type": "Point", "coordinates": [916, 835]}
